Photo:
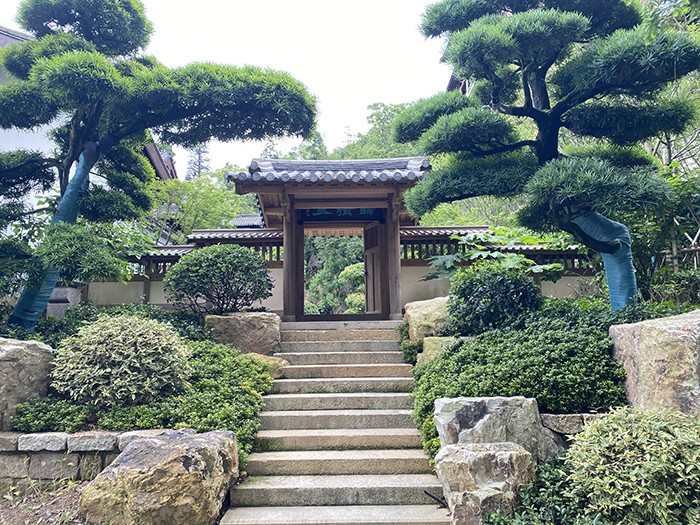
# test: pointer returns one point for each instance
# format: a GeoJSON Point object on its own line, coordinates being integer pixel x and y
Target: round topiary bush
{"type": "Point", "coordinates": [120, 360]}
{"type": "Point", "coordinates": [218, 279]}
{"type": "Point", "coordinates": [635, 467]}
{"type": "Point", "coordinates": [487, 295]}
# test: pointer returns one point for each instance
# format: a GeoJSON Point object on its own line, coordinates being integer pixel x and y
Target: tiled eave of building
{"type": "Point", "coordinates": [349, 172]}
{"type": "Point", "coordinates": [199, 238]}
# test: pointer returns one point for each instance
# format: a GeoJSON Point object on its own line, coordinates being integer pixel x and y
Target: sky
{"type": "Point", "coordinates": [348, 54]}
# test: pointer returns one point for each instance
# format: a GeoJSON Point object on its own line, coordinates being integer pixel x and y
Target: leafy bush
{"type": "Point", "coordinates": [639, 467]}
{"type": "Point", "coordinates": [567, 369]}
{"type": "Point", "coordinates": [410, 349]}
{"type": "Point", "coordinates": [680, 287]}
{"type": "Point", "coordinates": [548, 500]}
{"type": "Point", "coordinates": [52, 330]}
{"type": "Point", "coordinates": [120, 360]}
{"type": "Point", "coordinates": [51, 414]}
{"type": "Point", "coordinates": [218, 279]}
{"type": "Point", "coordinates": [486, 296]}
{"type": "Point", "coordinates": [224, 392]}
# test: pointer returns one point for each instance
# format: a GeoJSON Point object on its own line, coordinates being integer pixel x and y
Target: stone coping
{"type": "Point", "coordinates": [89, 441]}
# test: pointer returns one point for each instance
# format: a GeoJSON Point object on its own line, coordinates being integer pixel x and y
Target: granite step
{"type": "Point", "coordinates": [337, 439]}
{"type": "Point", "coordinates": [340, 335]}
{"type": "Point", "coordinates": [315, 419]}
{"type": "Point", "coordinates": [278, 491]}
{"type": "Point", "coordinates": [342, 384]}
{"type": "Point", "coordinates": [339, 346]}
{"type": "Point", "coordinates": [338, 462]}
{"type": "Point", "coordinates": [342, 401]}
{"type": "Point", "coordinates": [339, 325]}
{"type": "Point", "coordinates": [339, 358]}
{"type": "Point", "coordinates": [339, 515]}
{"type": "Point", "coordinates": [344, 371]}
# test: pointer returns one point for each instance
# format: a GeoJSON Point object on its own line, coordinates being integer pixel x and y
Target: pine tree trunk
{"type": "Point", "coordinates": [35, 295]}
{"type": "Point", "coordinates": [619, 269]}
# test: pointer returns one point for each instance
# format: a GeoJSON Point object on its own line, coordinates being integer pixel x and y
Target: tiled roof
{"type": "Point", "coordinates": [171, 250]}
{"type": "Point", "coordinates": [235, 234]}
{"type": "Point", "coordinates": [248, 220]}
{"type": "Point", "coordinates": [342, 171]}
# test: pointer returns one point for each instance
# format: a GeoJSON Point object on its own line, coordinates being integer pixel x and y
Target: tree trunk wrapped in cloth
{"type": "Point", "coordinates": [531, 70]}
{"type": "Point", "coordinates": [87, 63]}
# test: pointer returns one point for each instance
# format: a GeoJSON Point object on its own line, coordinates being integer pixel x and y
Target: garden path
{"type": "Point", "coordinates": [337, 444]}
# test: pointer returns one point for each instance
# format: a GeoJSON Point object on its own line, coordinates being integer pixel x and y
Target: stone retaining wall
{"type": "Point", "coordinates": [54, 456]}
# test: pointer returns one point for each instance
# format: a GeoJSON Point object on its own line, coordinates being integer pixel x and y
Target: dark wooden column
{"type": "Point", "coordinates": [393, 256]}
{"type": "Point", "coordinates": [289, 260]}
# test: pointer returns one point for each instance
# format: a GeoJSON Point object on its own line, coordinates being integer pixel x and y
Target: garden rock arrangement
{"type": "Point", "coordinates": [24, 375]}
{"type": "Point", "coordinates": [164, 478]}
{"type": "Point", "coordinates": [662, 361]}
{"type": "Point", "coordinates": [481, 478]}
{"type": "Point", "coordinates": [249, 332]}
{"type": "Point", "coordinates": [426, 318]}
{"type": "Point", "coordinates": [468, 420]}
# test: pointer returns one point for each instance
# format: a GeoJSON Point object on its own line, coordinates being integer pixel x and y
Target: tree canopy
{"type": "Point", "coordinates": [85, 74]}
{"type": "Point", "coordinates": [534, 70]}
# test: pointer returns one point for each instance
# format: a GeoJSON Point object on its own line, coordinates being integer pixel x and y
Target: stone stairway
{"type": "Point", "coordinates": [337, 444]}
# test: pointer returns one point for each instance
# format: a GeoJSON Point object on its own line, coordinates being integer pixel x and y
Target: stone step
{"type": "Point", "coordinates": [347, 384]}
{"type": "Point", "coordinates": [302, 419]}
{"type": "Point", "coordinates": [337, 439]}
{"type": "Point", "coordinates": [344, 401]}
{"type": "Point", "coordinates": [341, 358]}
{"type": "Point", "coordinates": [278, 491]}
{"type": "Point", "coordinates": [340, 325]}
{"type": "Point", "coordinates": [339, 346]}
{"type": "Point", "coordinates": [338, 462]}
{"type": "Point", "coordinates": [322, 371]}
{"type": "Point", "coordinates": [339, 515]}
{"type": "Point", "coordinates": [340, 335]}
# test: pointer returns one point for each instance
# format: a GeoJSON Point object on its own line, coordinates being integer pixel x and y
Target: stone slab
{"type": "Point", "coordinates": [54, 466]}
{"type": "Point", "coordinates": [14, 465]}
{"type": "Point", "coordinates": [44, 441]}
{"type": "Point", "coordinates": [90, 466]}
{"type": "Point", "coordinates": [127, 437]}
{"type": "Point", "coordinates": [8, 441]}
{"type": "Point", "coordinates": [92, 441]}
{"type": "Point", "coordinates": [338, 439]}
{"type": "Point", "coordinates": [567, 424]}
{"type": "Point", "coordinates": [343, 515]}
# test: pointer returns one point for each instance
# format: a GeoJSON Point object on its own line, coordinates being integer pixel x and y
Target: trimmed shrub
{"type": "Point", "coordinates": [547, 501]}
{"type": "Point", "coordinates": [224, 392]}
{"type": "Point", "coordinates": [120, 360]}
{"type": "Point", "coordinates": [51, 414]}
{"type": "Point", "coordinates": [487, 295]}
{"type": "Point", "coordinates": [567, 369]}
{"type": "Point", "coordinates": [639, 467]}
{"type": "Point", "coordinates": [218, 279]}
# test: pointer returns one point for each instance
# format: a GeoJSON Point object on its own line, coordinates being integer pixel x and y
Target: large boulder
{"type": "Point", "coordinates": [662, 361]}
{"type": "Point", "coordinates": [426, 318]}
{"type": "Point", "coordinates": [24, 375]}
{"type": "Point", "coordinates": [249, 332]}
{"type": "Point", "coordinates": [466, 420]}
{"type": "Point", "coordinates": [175, 477]}
{"type": "Point", "coordinates": [480, 479]}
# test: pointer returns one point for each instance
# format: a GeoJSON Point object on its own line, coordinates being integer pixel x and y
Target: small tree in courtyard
{"type": "Point", "coordinates": [85, 74]}
{"type": "Point", "coordinates": [535, 70]}
{"type": "Point", "coordinates": [218, 279]}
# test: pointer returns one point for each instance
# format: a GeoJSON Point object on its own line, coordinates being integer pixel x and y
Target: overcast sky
{"type": "Point", "coordinates": [348, 54]}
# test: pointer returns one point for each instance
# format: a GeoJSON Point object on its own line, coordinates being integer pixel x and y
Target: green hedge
{"type": "Point", "coordinates": [567, 369]}
{"type": "Point", "coordinates": [224, 393]}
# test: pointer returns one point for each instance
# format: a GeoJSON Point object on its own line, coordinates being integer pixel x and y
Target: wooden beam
{"type": "Point", "coordinates": [339, 203]}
